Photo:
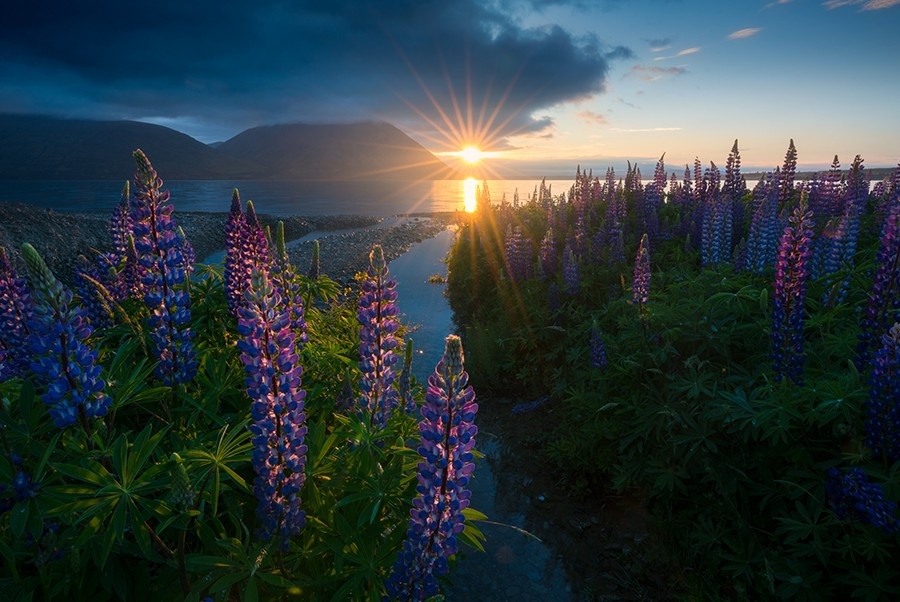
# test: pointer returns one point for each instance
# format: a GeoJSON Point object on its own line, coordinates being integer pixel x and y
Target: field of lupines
{"type": "Point", "coordinates": [730, 356]}
{"type": "Point", "coordinates": [172, 431]}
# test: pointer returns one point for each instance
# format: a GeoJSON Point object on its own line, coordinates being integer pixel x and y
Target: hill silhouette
{"type": "Point", "coordinates": [364, 150]}
{"type": "Point", "coordinates": [47, 148]}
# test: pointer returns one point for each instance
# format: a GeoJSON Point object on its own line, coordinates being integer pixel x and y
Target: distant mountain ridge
{"type": "Point", "coordinates": [365, 150]}
{"type": "Point", "coordinates": [48, 148]}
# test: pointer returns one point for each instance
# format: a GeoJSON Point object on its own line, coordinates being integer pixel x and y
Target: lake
{"type": "Point", "coordinates": [277, 197]}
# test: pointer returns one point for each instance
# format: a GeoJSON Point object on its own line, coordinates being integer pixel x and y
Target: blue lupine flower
{"type": "Point", "coordinates": [16, 309]}
{"type": "Point", "coordinates": [882, 424]}
{"type": "Point", "coordinates": [549, 257]}
{"type": "Point", "coordinates": [20, 489]}
{"type": "Point", "coordinates": [279, 421]}
{"type": "Point", "coordinates": [60, 357]}
{"type": "Point", "coordinates": [121, 224]}
{"type": "Point", "coordinates": [377, 318]}
{"type": "Point", "coordinates": [447, 438]}
{"type": "Point", "coordinates": [160, 253]}
{"type": "Point", "coordinates": [234, 260]}
{"type": "Point", "coordinates": [640, 289]}
{"type": "Point", "coordinates": [789, 299]}
{"type": "Point", "coordinates": [599, 359]}
{"type": "Point", "coordinates": [883, 307]}
{"type": "Point", "coordinates": [853, 497]}
{"type": "Point", "coordinates": [518, 254]}
{"type": "Point", "coordinates": [571, 277]}
{"type": "Point", "coordinates": [287, 285]}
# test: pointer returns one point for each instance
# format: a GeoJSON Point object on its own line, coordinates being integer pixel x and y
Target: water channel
{"type": "Point", "coordinates": [516, 565]}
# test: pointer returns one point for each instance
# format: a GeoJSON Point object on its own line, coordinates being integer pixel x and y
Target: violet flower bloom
{"type": "Point", "coordinates": [599, 359]}
{"type": "Point", "coordinates": [287, 285]}
{"type": "Point", "coordinates": [378, 324]}
{"type": "Point", "coordinates": [20, 489]}
{"type": "Point", "coordinates": [234, 260]}
{"type": "Point", "coordinates": [789, 299]}
{"type": "Point", "coordinates": [882, 424]}
{"type": "Point", "coordinates": [571, 278]}
{"type": "Point", "coordinates": [121, 224]}
{"type": "Point", "coordinates": [853, 497]}
{"type": "Point", "coordinates": [447, 437]}
{"type": "Point", "coordinates": [883, 307]}
{"type": "Point", "coordinates": [61, 359]}
{"type": "Point", "coordinates": [279, 422]}
{"type": "Point", "coordinates": [640, 289]}
{"type": "Point", "coordinates": [549, 258]}
{"type": "Point", "coordinates": [160, 253]}
{"type": "Point", "coordinates": [16, 309]}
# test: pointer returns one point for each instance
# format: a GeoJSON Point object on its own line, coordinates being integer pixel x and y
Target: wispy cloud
{"type": "Point", "coordinates": [777, 3]}
{"type": "Point", "coordinates": [659, 44]}
{"type": "Point", "coordinates": [685, 52]}
{"type": "Point", "coordinates": [866, 4]}
{"type": "Point", "coordinates": [651, 74]}
{"type": "Point", "coordinates": [740, 34]}
{"type": "Point", "coordinates": [592, 117]}
{"type": "Point", "coordinates": [635, 130]}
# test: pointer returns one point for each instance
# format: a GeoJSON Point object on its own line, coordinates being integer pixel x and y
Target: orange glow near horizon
{"type": "Point", "coordinates": [470, 188]}
{"type": "Point", "coordinates": [471, 154]}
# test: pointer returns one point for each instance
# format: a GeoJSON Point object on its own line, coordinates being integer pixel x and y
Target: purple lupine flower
{"type": "Point", "coordinates": [377, 317]}
{"type": "Point", "coordinates": [640, 289]}
{"type": "Point", "coordinates": [447, 437]}
{"type": "Point", "coordinates": [852, 496]}
{"type": "Point", "coordinates": [526, 407]}
{"type": "Point", "coordinates": [287, 284]}
{"type": "Point", "coordinates": [160, 253]}
{"type": "Point", "coordinates": [279, 421]}
{"type": "Point", "coordinates": [788, 170]}
{"type": "Point", "coordinates": [189, 258]}
{"type": "Point", "coordinates": [549, 256]}
{"type": "Point", "coordinates": [404, 388]}
{"type": "Point", "coordinates": [883, 307]}
{"type": "Point", "coordinates": [61, 359]}
{"type": "Point", "coordinates": [133, 273]}
{"type": "Point", "coordinates": [599, 359]}
{"type": "Point", "coordinates": [98, 286]}
{"type": "Point", "coordinates": [789, 299]}
{"type": "Point", "coordinates": [883, 406]}
{"type": "Point", "coordinates": [234, 259]}
{"type": "Point", "coordinates": [20, 489]}
{"type": "Point", "coordinates": [762, 241]}
{"type": "Point", "coordinates": [120, 224]}
{"type": "Point", "coordinates": [571, 278]}
{"type": "Point", "coordinates": [16, 310]}
{"type": "Point", "coordinates": [518, 254]}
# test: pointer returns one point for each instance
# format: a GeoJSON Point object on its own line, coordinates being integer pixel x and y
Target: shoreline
{"type": "Point", "coordinates": [60, 237]}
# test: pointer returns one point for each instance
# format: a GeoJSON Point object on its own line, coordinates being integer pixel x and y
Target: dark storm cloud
{"type": "Point", "coordinates": [243, 64]}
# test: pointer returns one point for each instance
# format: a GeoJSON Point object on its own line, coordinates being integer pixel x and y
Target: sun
{"type": "Point", "coordinates": [471, 154]}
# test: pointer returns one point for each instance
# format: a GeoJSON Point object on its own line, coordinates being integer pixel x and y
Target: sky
{"type": "Point", "coordinates": [539, 85]}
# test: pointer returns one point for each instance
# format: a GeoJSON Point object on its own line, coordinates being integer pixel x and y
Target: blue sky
{"type": "Point", "coordinates": [545, 84]}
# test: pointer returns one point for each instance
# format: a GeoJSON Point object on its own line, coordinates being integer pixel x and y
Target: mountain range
{"type": "Point", "coordinates": [47, 148]}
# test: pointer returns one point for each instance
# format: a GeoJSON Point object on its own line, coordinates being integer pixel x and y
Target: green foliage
{"type": "Point", "coordinates": [155, 500]}
{"type": "Point", "coordinates": [687, 415]}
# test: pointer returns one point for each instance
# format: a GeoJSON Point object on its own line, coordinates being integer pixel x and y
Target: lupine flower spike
{"type": "Point", "coordinates": [61, 358]}
{"type": "Point", "coordinates": [640, 290]}
{"type": "Point", "coordinates": [279, 421]}
{"type": "Point", "coordinates": [16, 309]}
{"type": "Point", "coordinates": [599, 359]}
{"type": "Point", "coordinates": [853, 496]}
{"type": "Point", "coordinates": [160, 252]}
{"type": "Point", "coordinates": [448, 436]}
{"type": "Point", "coordinates": [378, 324]}
{"type": "Point", "coordinates": [792, 269]}
{"type": "Point", "coordinates": [882, 424]}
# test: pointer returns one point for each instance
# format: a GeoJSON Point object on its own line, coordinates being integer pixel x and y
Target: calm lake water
{"type": "Point", "coordinates": [277, 197]}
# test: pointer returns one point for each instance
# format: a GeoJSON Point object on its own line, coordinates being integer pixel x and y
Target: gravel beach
{"type": "Point", "coordinates": [345, 240]}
